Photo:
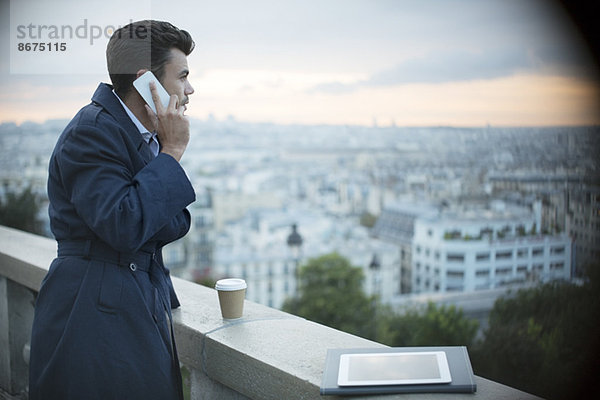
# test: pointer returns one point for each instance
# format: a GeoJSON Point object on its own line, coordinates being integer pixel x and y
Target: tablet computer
{"type": "Point", "coordinates": [410, 368]}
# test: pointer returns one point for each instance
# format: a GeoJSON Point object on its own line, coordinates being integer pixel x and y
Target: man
{"type": "Point", "coordinates": [102, 327]}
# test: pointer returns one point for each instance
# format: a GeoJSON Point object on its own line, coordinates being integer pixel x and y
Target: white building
{"type": "Point", "coordinates": [485, 249]}
{"type": "Point", "coordinates": [255, 248]}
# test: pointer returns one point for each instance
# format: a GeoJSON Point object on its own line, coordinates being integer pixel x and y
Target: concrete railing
{"type": "Point", "coordinates": [268, 354]}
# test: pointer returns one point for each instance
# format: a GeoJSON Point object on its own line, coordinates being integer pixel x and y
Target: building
{"type": "Point", "coordinates": [468, 250]}
{"type": "Point", "coordinates": [395, 225]}
{"type": "Point", "coordinates": [583, 225]}
{"type": "Point", "coordinates": [569, 204]}
{"type": "Point", "coordinates": [259, 248]}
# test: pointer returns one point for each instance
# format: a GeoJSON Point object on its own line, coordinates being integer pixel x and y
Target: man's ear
{"type": "Point", "coordinates": [141, 72]}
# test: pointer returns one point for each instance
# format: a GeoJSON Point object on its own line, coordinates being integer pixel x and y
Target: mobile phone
{"type": "Point", "coordinates": [142, 85]}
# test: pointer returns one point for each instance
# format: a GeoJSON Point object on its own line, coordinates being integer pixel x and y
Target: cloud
{"type": "Point", "coordinates": [443, 67]}
{"type": "Point", "coordinates": [461, 65]}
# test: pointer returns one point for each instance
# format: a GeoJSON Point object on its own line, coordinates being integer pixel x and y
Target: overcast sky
{"type": "Point", "coordinates": [444, 62]}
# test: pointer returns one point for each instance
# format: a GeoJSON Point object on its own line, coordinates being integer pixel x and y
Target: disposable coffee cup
{"type": "Point", "coordinates": [232, 292]}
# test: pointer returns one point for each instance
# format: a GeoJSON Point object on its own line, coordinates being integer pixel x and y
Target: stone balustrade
{"type": "Point", "coordinates": [267, 354]}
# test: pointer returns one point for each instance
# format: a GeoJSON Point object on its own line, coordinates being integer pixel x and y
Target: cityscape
{"type": "Point", "coordinates": [426, 212]}
{"type": "Point", "coordinates": [380, 173]}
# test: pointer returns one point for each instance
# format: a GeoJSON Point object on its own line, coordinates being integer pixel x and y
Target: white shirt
{"type": "Point", "coordinates": [149, 137]}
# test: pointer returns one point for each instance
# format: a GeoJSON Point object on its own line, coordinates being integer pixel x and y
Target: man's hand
{"type": "Point", "coordinates": [173, 128]}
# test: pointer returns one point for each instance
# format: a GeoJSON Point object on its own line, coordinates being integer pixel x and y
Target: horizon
{"type": "Point", "coordinates": [230, 118]}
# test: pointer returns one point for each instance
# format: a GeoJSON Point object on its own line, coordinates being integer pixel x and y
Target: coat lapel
{"type": "Point", "coordinates": [107, 99]}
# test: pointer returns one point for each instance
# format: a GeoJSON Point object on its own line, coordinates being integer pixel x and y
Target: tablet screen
{"type": "Point", "coordinates": [393, 368]}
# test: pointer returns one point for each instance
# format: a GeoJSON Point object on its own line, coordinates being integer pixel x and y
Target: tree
{"type": "Point", "coordinates": [368, 220]}
{"type": "Point", "coordinates": [428, 326]}
{"type": "Point", "coordinates": [545, 340]}
{"type": "Point", "coordinates": [330, 292]}
{"type": "Point", "coordinates": [19, 210]}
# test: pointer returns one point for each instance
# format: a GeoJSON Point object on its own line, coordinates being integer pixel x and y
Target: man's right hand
{"type": "Point", "coordinates": [172, 127]}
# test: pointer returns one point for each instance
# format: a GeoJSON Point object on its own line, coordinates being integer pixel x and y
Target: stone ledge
{"type": "Point", "coordinates": [25, 257]}
{"type": "Point", "coordinates": [267, 354]}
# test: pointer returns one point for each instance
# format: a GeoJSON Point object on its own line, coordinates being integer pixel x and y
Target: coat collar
{"type": "Point", "coordinates": [105, 97]}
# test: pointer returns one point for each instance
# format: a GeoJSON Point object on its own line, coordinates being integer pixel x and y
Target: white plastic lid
{"type": "Point", "coordinates": [230, 284]}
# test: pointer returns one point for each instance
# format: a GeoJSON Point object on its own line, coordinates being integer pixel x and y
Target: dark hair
{"type": "Point", "coordinates": [143, 44]}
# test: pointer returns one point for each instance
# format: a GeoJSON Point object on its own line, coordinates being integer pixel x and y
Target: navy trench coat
{"type": "Point", "coordinates": [102, 317]}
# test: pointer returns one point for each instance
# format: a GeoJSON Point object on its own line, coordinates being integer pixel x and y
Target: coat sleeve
{"type": "Point", "coordinates": [122, 208]}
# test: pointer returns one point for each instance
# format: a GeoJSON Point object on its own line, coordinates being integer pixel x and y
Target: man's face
{"type": "Point", "coordinates": [175, 77]}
